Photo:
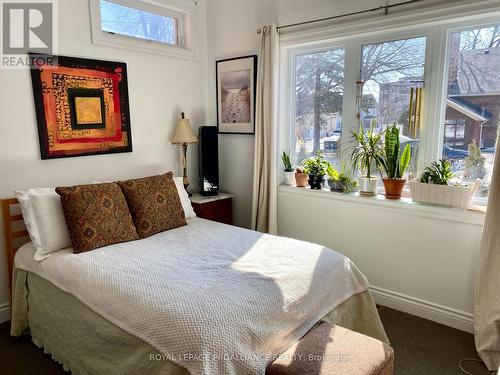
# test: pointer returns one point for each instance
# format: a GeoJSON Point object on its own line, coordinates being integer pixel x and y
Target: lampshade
{"type": "Point", "coordinates": [184, 133]}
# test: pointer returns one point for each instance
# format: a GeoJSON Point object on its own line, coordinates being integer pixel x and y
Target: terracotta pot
{"type": "Point", "coordinates": [393, 188]}
{"type": "Point", "coordinates": [301, 179]}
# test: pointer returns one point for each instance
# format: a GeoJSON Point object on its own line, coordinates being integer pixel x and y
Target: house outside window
{"type": "Point", "coordinates": [473, 103]}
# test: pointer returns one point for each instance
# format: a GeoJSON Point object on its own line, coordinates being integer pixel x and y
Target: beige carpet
{"type": "Point", "coordinates": [422, 347]}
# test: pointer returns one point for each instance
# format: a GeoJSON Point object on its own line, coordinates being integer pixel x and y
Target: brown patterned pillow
{"type": "Point", "coordinates": [96, 215]}
{"type": "Point", "coordinates": [154, 204]}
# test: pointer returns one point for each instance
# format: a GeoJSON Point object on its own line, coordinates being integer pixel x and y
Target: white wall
{"type": "Point", "coordinates": [159, 89]}
{"type": "Point", "coordinates": [232, 32]}
{"type": "Point", "coordinates": [419, 260]}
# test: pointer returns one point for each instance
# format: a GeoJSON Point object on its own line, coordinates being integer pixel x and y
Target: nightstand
{"type": "Point", "coordinates": [217, 207]}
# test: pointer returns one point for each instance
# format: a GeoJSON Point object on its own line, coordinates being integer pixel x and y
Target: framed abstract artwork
{"type": "Point", "coordinates": [81, 106]}
{"type": "Point", "coordinates": [235, 80]}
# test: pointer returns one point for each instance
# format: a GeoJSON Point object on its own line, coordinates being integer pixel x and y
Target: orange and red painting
{"type": "Point", "coordinates": [81, 106]}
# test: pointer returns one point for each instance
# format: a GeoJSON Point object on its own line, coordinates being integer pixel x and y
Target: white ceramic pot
{"type": "Point", "coordinates": [290, 178]}
{"type": "Point", "coordinates": [368, 186]}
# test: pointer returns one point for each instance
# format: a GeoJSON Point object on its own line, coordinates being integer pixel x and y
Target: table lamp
{"type": "Point", "coordinates": [183, 136]}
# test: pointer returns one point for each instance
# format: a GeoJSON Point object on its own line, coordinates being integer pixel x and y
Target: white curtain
{"type": "Point", "coordinates": [264, 200]}
{"type": "Point", "coordinates": [487, 300]}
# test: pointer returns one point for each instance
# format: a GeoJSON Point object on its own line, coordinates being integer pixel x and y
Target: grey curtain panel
{"type": "Point", "coordinates": [487, 299]}
{"type": "Point", "coordinates": [264, 199]}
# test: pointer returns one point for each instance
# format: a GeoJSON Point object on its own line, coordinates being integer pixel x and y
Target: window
{"type": "Point", "coordinates": [132, 22]}
{"type": "Point", "coordinates": [473, 104]}
{"type": "Point", "coordinates": [439, 83]}
{"type": "Point", "coordinates": [454, 133]}
{"type": "Point", "coordinates": [392, 73]}
{"type": "Point", "coordinates": [319, 99]}
{"type": "Point", "coordinates": [389, 70]}
{"type": "Point", "coordinates": [146, 26]}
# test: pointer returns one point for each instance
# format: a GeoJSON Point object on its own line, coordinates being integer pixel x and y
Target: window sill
{"type": "Point", "coordinates": [405, 205]}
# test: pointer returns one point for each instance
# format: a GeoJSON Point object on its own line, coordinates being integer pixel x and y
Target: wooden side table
{"type": "Point", "coordinates": [217, 207]}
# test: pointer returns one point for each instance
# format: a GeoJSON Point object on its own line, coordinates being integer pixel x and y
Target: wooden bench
{"type": "Point", "coordinates": [332, 350]}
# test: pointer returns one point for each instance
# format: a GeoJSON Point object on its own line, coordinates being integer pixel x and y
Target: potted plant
{"type": "Point", "coordinates": [365, 154]}
{"type": "Point", "coordinates": [434, 187]}
{"type": "Point", "coordinates": [315, 167]}
{"type": "Point", "coordinates": [395, 163]}
{"type": "Point", "coordinates": [288, 169]}
{"type": "Point", "coordinates": [300, 177]}
{"type": "Point", "coordinates": [340, 182]}
{"type": "Point", "coordinates": [334, 179]}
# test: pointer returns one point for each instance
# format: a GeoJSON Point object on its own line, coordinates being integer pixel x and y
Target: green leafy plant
{"type": "Point", "coordinates": [315, 165]}
{"type": "Point", "coordinates": [287, 161]}
{"type": "Point", "coordinates": [332, 173]}
{"type": "Point", "coordinates": [367, 150]}
{"type": "Point", "coordinates": [394, 161]}
{"type": "Point", "coordinates": [347, 183]}
{"type": "Point", "coordinates": [439, 173]}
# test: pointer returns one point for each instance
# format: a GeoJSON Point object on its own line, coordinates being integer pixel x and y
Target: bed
{"type": "Point", "coordinates": [204, 298]}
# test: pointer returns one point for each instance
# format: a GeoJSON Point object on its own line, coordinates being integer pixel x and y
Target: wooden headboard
{"type": "Point", "coordinates": [14, 231]}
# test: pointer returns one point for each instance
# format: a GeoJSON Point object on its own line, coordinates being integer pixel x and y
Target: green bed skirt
{"type": "Point", "coordinates": [86, 343]}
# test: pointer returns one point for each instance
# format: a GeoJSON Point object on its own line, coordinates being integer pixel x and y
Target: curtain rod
{"type": "Point", "coordinates": [382, 7]}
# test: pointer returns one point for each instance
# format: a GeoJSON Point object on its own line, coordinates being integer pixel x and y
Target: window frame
{"type": "Point", "coordinates": [438, 37]}
{"type": "Point", "coordinates": [352, 72]}
{"type": "Point", "coordinates": [184, 11]}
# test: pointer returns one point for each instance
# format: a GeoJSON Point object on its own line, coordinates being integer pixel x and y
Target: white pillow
{"type": "Point", "coordinates": [44, 218]}
{"type": "Point", "coordinates": [29, 219]}
{"type": "Point", "coordinates": [185, 201]}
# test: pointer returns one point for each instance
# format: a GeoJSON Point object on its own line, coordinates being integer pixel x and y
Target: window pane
{"type": "Point", "coordinates": [319, 104]}
{"type": "Point", "coordinates": [120, 19]}
{"type": "Point", "coordinates": [473, 104]}
{"type": "Point", "coordinates": [391, 72]}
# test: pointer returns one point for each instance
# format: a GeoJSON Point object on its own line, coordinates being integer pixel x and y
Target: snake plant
{"type": "Point", "coordinates": [394, 161]}
{"type": "Point", "coordinates": [287, 162]}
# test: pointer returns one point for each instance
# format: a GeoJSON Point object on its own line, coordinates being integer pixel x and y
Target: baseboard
{"type": "Point", "coordinates": [4, 313]}
{"type": "Point", "coordinates": [424, 309]}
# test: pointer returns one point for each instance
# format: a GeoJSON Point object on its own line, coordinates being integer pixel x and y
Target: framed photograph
{"type": "Point", "coordinates": [81, 106]}
{"type": "Point", "coordinates": [236, 95]}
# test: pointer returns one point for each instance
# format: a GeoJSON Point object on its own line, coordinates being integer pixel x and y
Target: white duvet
{"type": "Point", "coordinates": [212, 298]}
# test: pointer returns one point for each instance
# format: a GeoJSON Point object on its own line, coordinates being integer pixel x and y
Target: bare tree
{"type": "Point", "coordinates": [135, 22]}
{"type": "Point", "coordinates": [320, 87]}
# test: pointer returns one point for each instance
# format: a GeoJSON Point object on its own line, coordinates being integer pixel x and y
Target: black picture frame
{"type": "Point", "coordinates": [222, 127]}
{"type": "Point", "coordinates": [53, 62]}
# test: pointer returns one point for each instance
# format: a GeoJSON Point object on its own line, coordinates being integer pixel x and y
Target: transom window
{"type": "Point", "coordinates": [138, 23]}
{"type": "Point", "coordinates": [164, 27]}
